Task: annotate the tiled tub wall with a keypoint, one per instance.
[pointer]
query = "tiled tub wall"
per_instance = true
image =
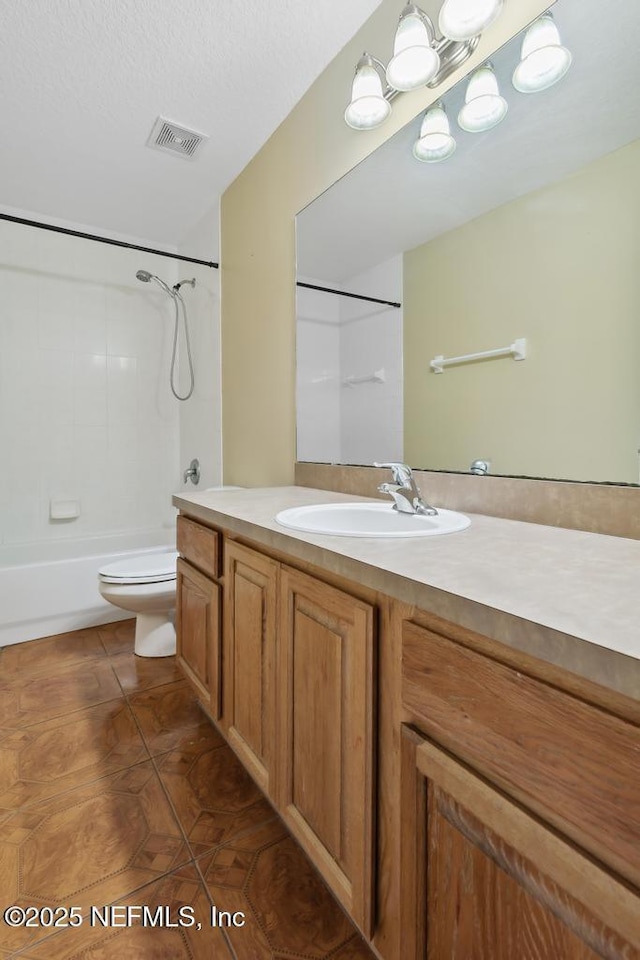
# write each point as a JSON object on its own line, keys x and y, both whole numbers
{"x": 85, "y": 407}
{"x": 338, "y": 338}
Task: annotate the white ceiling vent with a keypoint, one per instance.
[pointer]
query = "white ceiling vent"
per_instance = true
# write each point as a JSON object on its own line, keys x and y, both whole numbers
{"x": 172, "y": 138}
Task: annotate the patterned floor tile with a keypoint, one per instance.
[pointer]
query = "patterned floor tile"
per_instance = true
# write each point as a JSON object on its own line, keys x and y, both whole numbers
{"x": 42, "y": 760}
{"x": 92, "y": 845}
{"x": 214, "y": 797}
{"x": 165, "y": 900}
{"x": 118, "y": 637}
{"x": 115, "y": 839}
{"x": 49, "y": 655}
{"x": 24, "y": 701}
{"x": 169, "y": 717}
{"x": 143, "y": 673}
{"x": 289, "y": 911}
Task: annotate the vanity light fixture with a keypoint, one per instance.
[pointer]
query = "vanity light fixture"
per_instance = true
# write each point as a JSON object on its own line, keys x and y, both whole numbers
{"x": 435, "y": 142}
{"x": 484, "y": 108}
{"x": 419, "y": 59}
{"x": 368, "y": 107}
{"x": 543, "y": 59}
{"x": 463, "y": 19}
{"x": 415, "y": 60}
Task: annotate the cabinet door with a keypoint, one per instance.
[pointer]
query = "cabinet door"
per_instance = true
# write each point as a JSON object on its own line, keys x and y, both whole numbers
{"x": 485, "y": 880}
{"x": 326, "y": 731}
{"x": 198, "y": 633}
{"x": 249, "y": 659}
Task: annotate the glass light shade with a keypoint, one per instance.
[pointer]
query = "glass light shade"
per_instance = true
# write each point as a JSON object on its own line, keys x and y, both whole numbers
{"x": 484, "y": 108}
{"x": 543, "y": 60}
{"x": 464, "y": 19}
{"x": 414, "y": 61}
{"x": 368, "y": 107}
{"x": 435, "y": 142}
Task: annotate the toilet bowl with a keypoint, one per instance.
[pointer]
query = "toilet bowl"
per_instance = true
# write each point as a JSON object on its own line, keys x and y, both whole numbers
{"x": 146, "y": 586}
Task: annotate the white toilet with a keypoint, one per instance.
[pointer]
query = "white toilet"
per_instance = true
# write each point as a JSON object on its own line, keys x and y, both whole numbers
{"x": 145, "y": 585}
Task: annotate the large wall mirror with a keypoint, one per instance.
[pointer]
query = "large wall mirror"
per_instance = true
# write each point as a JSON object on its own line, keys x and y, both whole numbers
{"x": 528, "y": 232}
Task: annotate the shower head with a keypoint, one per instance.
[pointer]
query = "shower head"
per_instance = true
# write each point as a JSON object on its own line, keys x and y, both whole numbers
{"x": 145, "y": 276}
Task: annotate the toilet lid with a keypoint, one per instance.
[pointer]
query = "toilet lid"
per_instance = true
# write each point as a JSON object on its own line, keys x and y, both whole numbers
{"x": 144, "y": 568}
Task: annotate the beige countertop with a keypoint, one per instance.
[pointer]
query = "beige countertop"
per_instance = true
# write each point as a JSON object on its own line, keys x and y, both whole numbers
{"x": 565, "y": 596}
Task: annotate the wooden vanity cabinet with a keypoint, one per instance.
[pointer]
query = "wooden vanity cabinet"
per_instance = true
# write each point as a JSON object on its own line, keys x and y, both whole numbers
{"x": 198, "y": 609}
{"x": 249, "y": 657}
{"x": 297, "y": 679}
{"x": 483, "y": 879}
{"x": 520, "y": 814}
{"x": 462, "y": 800}
{"x": 326, "y": 670}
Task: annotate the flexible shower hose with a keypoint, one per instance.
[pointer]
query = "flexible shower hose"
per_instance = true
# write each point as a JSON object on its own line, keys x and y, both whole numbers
{"x": 176, "y": 297}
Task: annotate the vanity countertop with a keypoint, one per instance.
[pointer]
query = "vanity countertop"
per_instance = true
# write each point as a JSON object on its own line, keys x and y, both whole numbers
{"x": 568, "y": 597}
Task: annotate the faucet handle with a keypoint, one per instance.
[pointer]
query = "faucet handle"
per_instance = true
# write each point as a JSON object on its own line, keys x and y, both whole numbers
{"x": 401, "y": 472}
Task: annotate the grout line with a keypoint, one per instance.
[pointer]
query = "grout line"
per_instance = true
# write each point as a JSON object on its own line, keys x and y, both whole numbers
{"x": 25, "y": 807}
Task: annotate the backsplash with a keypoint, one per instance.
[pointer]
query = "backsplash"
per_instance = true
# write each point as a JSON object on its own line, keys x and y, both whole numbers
{"x": 594, "y": 507}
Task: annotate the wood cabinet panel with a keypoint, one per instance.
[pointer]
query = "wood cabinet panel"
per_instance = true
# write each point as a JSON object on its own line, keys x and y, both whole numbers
{"x": 200, "y": 545}
{"x": 316, "y": 777}
{"x": 250, "y": 597}
{"x": 574, "y": 764}
{"x": 484, "y": 880}
{"x": 326, "y": 662}
{"x": 198, "y": 633}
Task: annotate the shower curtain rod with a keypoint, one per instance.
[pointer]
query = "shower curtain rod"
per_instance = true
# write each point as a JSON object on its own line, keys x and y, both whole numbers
{"x": 115, "y": 243}
{"x": 343, "y": 293}
{"x": 175, "y": 256}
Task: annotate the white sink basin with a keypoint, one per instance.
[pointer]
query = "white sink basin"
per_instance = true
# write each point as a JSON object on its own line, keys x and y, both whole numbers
{"x": 369, "y": 520}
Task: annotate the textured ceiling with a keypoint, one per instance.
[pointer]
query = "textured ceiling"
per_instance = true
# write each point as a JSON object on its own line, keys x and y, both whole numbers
{"x": 83, "y": 81}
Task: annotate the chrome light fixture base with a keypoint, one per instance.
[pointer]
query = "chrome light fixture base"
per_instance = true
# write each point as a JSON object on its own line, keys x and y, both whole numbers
{"x": 415, "y": 43}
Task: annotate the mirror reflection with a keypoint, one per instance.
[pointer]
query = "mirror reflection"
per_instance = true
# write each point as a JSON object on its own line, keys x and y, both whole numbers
{"x": 525, "y": 236}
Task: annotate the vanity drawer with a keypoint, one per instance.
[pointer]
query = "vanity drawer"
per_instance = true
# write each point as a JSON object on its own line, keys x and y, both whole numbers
{"x": 201, "y": 546}
{"x": 573, "y": 764}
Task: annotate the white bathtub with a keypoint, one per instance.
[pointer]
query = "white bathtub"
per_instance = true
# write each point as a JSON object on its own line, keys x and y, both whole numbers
{"x": 48, "y": 588}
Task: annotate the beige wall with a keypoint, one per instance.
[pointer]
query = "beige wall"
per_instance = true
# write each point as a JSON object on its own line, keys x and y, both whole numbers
{"x": 308, "y": 152}
{"x": 559, "y": 267}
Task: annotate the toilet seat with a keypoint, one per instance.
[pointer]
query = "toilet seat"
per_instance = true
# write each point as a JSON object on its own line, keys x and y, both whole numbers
{"x": 144, "y": 568}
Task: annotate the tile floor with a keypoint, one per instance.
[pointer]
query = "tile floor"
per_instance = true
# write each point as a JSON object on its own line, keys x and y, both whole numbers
{"x": 115, "y": 790}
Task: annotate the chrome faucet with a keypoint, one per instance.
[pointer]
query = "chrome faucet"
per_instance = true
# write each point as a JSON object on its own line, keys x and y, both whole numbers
{"x": 406, "y": 495}
{"x": 192, "y": 472}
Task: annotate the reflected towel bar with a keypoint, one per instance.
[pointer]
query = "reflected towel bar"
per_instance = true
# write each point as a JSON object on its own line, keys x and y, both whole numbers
{"x": 517, "y": 350}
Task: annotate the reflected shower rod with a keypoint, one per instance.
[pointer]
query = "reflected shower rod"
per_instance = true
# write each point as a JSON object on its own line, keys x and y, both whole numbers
{"x": 114, "y": 243}
{"x": 343, "y": 293}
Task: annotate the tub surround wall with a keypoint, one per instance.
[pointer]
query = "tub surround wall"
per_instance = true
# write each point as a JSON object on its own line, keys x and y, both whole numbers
{"x": 337, "y": 338}
{"x": 85, "y": 408}
{"x": 596, "y": 508}
{"x": 318, "y": 374}
{"x": 370, "y": 340}
{"x": 200, "y": 416}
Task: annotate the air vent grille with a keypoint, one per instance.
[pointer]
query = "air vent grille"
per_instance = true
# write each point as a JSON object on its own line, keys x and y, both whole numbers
{"x": 172, "y": 138}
